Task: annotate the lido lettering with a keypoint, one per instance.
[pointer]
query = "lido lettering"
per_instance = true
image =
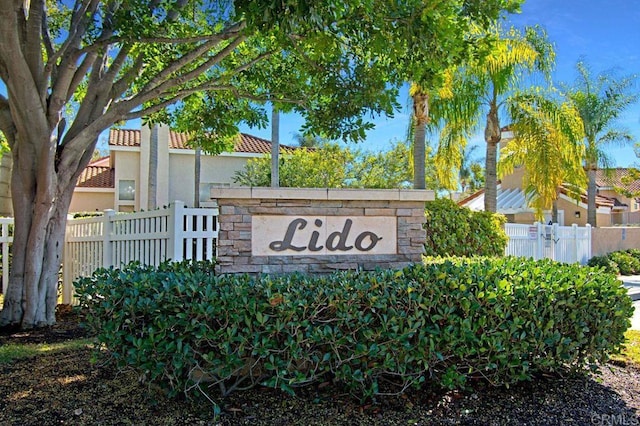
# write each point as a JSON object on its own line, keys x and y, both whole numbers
{"x": 336, "y": 241}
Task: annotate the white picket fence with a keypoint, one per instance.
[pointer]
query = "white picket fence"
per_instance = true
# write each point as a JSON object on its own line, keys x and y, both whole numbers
{"x": 568, "y": 244}
{"x": 176, "y": 233}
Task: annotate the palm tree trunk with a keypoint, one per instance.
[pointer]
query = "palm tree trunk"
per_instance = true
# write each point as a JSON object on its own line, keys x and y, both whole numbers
{"x": 492, "y": 137}
{"x": 420, "y": 120}
{"x": 275, "y": 147}
{"x": 591, "y": 196}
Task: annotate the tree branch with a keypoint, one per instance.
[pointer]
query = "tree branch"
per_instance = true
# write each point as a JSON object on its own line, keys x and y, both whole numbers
{"x": 46, "y": 37}
{"x": 6, "y": 122}
{"x": 121, "y": 86}
{"x": 118, "y": 63}
{"x": 157, "y": 88}
{"x": 80, "y": 75}
{"x": 226, "y": 34}
{"x": 181, "y": 94}
{"x": 28, "y": 114}
{"x": 313, "y": 64}
{"x": 193, "y": 56}
{"x": 84, "y": 10}
{"x": 32, "y": 49}
{"x": 251, "y": 63}
{"x": 4, "y": 74}
{"x": 90, "y": 102}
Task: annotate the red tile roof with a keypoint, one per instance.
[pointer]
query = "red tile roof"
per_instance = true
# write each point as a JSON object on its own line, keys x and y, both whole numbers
{"x": 97, "y": 174}
{"x": 613, "y": 178}
{"x": 248, "y": 143}
{"x": 124, "y": 137}
{"x": 601, "y": 201}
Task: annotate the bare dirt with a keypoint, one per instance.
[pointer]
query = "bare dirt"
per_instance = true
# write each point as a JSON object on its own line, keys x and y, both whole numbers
{"x": 66, "y": 387}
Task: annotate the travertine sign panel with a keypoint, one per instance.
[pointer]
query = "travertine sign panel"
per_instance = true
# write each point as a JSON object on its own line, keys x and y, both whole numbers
{"x": 323, "y": 235}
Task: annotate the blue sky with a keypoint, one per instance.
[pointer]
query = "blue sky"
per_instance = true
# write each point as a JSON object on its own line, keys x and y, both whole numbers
{"x": 606, "y": 33}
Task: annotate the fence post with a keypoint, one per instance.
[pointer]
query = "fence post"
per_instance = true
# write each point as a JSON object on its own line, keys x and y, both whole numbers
{"x": 540, "y": 241}
{"x": 175, "y": 221}
{"x": 589, "y": 248}
{"x": 67, "y": 280}
{"x": 107, "y": 230}
{"x": 554, "y": 240}
{"x": 574, "y": 228}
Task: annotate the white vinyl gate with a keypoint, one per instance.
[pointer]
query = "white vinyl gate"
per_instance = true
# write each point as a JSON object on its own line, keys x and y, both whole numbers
{"x": 568, "y": 244}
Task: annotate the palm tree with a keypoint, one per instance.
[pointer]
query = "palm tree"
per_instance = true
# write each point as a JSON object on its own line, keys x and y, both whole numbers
{"x": 547, "y": 142}
{"x": 465, "y": 173}
{"x": 482, "y": 88}
{"x": 600, "y": 102}
{"x": 275, "y": 147}
{"x": 420, "y": 118}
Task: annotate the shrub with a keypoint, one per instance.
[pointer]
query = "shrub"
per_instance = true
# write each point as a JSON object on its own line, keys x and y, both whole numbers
{"x": 604, "y": 262}
{"x": 497, "y": 319}
{"x": 627, "y": 264}
{"x": 457, "y": 231}
{"x": 635, "y": 253}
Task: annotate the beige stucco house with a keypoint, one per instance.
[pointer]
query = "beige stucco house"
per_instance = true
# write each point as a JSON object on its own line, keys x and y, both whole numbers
{"x": 613, "y": 208}
{"x": 121, "y": 180}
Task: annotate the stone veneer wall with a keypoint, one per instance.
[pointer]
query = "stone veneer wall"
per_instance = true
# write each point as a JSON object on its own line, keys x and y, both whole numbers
{"x": 238, "y": 205}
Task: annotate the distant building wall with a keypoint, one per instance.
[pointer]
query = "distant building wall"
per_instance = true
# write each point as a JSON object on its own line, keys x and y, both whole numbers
{"x": 214, "y": 171}
{"x": 91, "y": 200}
{"x": 6, "y": 163}
{"x": 606, "y": 240}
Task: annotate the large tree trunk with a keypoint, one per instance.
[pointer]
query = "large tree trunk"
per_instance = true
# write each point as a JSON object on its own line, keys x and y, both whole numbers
{"x": 420, "y": 120}
{"x": 275, "y": 147}
{"x": 591, "y": 196}
{"x": 41, "y": 196}
{"x": 492, "y": 137}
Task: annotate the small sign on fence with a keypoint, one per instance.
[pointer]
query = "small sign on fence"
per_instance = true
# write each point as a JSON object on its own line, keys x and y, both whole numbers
{"x": 533, "y": 232}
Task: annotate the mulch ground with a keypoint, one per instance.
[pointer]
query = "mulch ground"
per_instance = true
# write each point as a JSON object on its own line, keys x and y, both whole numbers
{"x": 68, "y": 388}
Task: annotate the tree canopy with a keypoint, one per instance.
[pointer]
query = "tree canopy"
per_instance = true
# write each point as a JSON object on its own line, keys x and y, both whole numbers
{"x": 474, "y": 93}
{"x": 71, "y": 69}
{"x": 332, "y": 166}
{"x": 600, "y": 101}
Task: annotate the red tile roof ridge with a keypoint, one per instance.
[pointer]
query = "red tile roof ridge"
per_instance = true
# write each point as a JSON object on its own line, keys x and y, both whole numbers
{"x": 178, "y": 140}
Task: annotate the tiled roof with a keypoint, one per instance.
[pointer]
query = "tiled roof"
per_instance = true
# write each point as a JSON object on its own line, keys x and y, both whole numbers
{"x": 613, "y": 178}
{"x": 124, "y": 137}
{"x": 97, "y": 175}
{"x": 601, "y": 201}
{"x": 248, "y": 143}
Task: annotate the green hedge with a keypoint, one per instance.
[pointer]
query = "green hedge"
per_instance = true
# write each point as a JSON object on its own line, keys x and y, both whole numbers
{"x": 457, "y": 231}
{"x": 501, "y": 320}
{"x": 625, "y": 262}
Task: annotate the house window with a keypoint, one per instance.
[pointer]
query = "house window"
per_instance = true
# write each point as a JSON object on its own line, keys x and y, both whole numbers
{"x": 126, "y": 190}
